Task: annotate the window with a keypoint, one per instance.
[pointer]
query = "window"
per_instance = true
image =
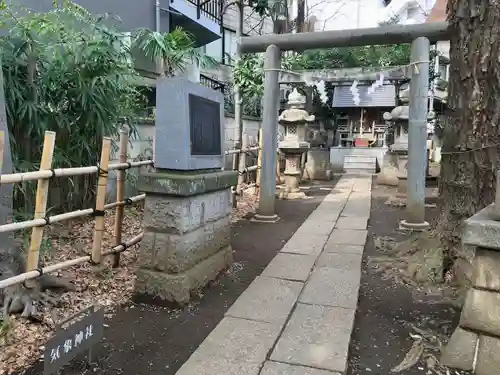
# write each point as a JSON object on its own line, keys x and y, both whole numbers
{"x": 229, "y": 46}
{"x": 224, "y": 49}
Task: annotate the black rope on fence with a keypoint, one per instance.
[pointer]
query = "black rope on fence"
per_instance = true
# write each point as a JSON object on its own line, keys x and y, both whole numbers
{"x": 96, "y": 213}
{"x": 101, "y": 172}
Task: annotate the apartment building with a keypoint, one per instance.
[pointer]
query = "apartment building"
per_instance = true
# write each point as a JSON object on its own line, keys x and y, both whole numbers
{"x": 223, "y": 50}
{"x": 203, "y": 19}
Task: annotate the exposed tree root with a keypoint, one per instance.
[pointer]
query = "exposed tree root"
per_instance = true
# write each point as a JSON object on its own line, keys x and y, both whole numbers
{"x": 22, "y": 299}
{"x": 418, "y": 261}
{"x": 419, "y": 258}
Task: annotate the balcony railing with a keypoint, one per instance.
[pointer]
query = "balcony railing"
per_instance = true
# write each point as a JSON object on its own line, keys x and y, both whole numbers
{"x": 212, "y": 83}
{"x": 212, "y": 9}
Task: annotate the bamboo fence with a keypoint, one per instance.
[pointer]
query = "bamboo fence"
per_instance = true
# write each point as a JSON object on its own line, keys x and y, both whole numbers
{"x": 46, "y": 172}
{"x": 40, "y": 220}
{"x": 239, "y": 163}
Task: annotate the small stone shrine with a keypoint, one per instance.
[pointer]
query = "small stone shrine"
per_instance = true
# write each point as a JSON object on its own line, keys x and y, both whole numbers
{"x": 188, "y": 204}
{"x": 475, "y": 344}
{"x": 294, "y": 120}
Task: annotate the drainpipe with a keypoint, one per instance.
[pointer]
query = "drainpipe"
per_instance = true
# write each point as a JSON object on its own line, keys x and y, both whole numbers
{"x": 238, "y": 105}
{"x": 159, "y": 64}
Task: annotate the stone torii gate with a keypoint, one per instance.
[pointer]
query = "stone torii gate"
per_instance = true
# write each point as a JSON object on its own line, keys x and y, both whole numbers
{"x": 420, "y": 37}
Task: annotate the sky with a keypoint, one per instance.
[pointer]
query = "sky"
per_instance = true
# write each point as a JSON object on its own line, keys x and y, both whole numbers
{"x": 349, "y": 14}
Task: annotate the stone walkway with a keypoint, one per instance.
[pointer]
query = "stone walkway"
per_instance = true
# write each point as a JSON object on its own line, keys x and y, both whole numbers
{"x": 297, "y": 317}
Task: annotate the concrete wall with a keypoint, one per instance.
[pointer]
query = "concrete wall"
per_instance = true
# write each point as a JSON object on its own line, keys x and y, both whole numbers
{"x": 141, "y": 146}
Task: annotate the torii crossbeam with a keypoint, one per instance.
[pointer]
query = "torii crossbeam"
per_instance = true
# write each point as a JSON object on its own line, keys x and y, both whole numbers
{"x": 420, "y": 36}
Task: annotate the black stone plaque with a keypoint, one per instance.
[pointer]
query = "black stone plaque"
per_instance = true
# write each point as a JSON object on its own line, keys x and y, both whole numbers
{"x": 205, "y": 126}
{"x": 85, "y": 331}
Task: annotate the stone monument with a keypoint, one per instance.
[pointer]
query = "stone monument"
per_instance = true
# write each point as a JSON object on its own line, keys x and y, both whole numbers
{"x": 294, "y": 119}
{"x": 475, "y": 344}
{"x": 188, "y": 204}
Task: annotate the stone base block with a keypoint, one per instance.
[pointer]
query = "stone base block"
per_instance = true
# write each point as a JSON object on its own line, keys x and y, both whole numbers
{"x": 481, "y": 312}
{"x": 173, "y": 252}
{"x": 318, "y": 165}
{"x": 293, "y": 195}
{"x": 460, "y": 350}
{"x": 417, "y": 227}
{"x": 265, "y": 218}
{"x": 486, "y": 273}
{"x": 402, "y": 185}
{"x": 178, "y": 288}
{"x": 488, "y": 359}
{"x": 388, "y": 176}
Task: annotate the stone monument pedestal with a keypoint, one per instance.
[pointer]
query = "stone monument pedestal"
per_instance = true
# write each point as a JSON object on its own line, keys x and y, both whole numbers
{"x": 475, "y": 344}
{"x": 187, "y": 238}
{"x": 318, "y": 165}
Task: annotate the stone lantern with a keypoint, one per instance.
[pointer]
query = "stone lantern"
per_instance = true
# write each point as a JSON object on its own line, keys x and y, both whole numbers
{"x": 294, "y": 120}
{"x": 399, "y": 118}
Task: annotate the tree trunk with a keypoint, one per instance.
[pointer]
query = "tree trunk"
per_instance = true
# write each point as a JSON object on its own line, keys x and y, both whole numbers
{"x": 301, "y": 16}
{"x": 472, "y": 129}
{"x": 6, "y": 190}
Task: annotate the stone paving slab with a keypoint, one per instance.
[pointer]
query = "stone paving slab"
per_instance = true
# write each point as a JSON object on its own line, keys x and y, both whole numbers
{"x": 356, "y": 211}
{"x": 341, "y": 196}
{"x": 290, "y": 266}
{"x": 350, "y": 222}
{"x": 239, "y": 341}
{"x": 332, "y": 287}
{"x": 348, "y": 237}
{"x": 316, "y": 336}
{"x": 306, "y": 244}
{"x": 315, "y": 302}
{"x": 315, "y": 227}
{"x": 203, "y": 365}
{"x": 325, "y": 214}
{"x": 276, "y": 368}
{"x": 332, "y": 247}
{"x": 350, "y": 262}
{"x": 267, "y": 300}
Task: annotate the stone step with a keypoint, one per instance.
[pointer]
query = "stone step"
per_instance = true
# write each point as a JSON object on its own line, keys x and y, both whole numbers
{"x": 359, "y": 171}
{"x": 369, "y": 164}
{"x": 360, "y": 165}
{"x": 360, "y": 158}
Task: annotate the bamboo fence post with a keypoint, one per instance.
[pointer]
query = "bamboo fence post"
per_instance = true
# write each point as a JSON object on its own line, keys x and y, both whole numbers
{"x": 42, "y": 192}
{"x": 235, "y": 168}
{"x": 259, "y": 163}
{"x": 100, "y": 200}
{"x": 2, "y": 139}
{"x": 120, "y": 192}
{"x": 242, "y": 163}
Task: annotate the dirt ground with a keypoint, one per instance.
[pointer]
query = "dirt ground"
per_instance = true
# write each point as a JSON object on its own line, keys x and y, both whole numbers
{"x": 388, "y": 311}
{"x": 143, "y": 339}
